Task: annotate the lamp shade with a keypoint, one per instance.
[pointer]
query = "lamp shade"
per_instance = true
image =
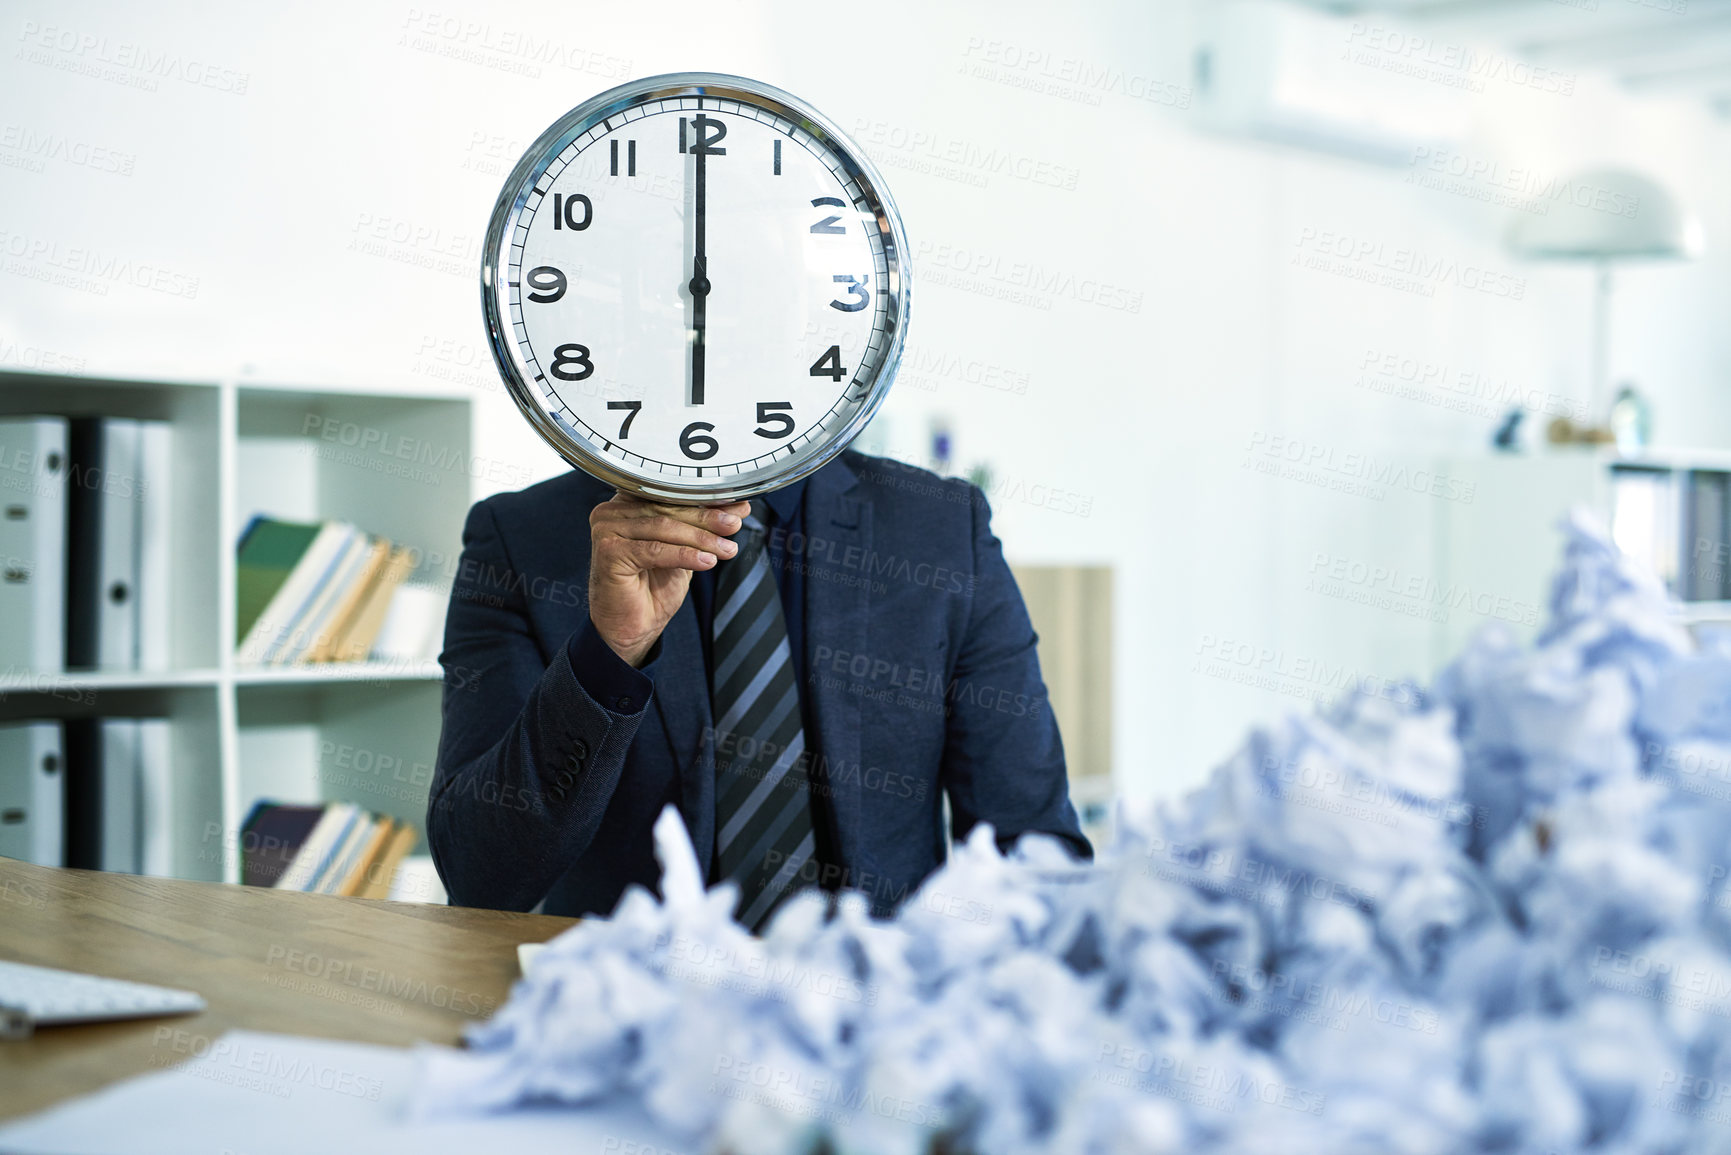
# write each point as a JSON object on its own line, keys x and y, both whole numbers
{"x": 1607, "y": 215}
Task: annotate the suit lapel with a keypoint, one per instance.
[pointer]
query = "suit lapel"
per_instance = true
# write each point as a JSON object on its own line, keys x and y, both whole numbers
{"x": 837, "y": 608}
{"x": 682, "y": 700}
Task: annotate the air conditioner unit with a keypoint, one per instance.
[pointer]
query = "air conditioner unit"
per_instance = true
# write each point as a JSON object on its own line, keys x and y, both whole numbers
{"x": 1351, "y": 87}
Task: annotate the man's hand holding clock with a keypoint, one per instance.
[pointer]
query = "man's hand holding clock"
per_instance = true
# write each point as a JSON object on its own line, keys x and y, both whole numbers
{"x": 641, "y": 559}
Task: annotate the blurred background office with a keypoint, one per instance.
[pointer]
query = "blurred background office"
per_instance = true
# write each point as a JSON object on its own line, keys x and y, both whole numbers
{"x": 1279, "y": 333}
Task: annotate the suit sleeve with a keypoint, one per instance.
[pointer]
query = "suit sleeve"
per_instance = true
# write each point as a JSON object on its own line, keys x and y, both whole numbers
{"x": 531, "y": 750}
{"x": 1003, "y": 758}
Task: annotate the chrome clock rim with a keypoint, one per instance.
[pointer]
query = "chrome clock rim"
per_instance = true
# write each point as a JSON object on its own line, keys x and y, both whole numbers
{"x": 515, "y": 193}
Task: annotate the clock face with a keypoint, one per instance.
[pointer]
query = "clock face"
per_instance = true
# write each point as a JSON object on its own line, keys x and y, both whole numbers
{"x": 695, "y": 288}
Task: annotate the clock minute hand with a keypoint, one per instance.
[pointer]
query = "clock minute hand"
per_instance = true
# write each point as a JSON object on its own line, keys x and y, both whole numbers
{"x": 699, "y": 285}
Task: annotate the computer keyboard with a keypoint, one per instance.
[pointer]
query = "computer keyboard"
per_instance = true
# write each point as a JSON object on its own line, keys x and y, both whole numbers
{"x": 33, "y": 996}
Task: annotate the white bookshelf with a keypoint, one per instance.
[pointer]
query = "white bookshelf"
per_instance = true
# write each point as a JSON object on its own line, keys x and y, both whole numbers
{"x": 391, "y": 461}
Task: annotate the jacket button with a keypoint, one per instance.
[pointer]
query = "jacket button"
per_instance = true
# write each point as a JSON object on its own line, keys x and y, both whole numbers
{"x": 565, "y": 780}
{"x": 558, "y": 794}
{"x": 572, "y": 763}
{"x": 579, "y": 749}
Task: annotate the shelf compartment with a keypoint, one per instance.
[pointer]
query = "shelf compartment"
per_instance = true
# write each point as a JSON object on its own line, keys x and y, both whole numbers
{"x": 193, "y": 412}
{"x": 399, "y": 467}
{"x": 372, "y": 745}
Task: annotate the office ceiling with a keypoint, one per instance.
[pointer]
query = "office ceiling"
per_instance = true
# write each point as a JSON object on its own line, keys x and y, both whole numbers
{"x": 1671, "y": 47}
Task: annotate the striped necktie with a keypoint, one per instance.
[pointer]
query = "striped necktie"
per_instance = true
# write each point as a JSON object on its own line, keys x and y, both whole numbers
{"x": 763, "y": 820}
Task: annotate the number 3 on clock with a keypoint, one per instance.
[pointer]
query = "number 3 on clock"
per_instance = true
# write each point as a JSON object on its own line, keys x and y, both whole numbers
{"x": 856, "y": 288}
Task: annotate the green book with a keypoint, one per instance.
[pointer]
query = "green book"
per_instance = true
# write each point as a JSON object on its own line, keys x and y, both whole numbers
{"x": 269, "y": 552}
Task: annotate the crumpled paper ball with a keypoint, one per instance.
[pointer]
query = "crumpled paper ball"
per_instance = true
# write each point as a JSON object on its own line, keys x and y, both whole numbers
{"x": 1490, "y": 914}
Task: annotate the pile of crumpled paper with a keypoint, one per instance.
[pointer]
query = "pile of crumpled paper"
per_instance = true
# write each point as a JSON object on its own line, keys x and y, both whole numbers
{"x": 1488, "y": 915}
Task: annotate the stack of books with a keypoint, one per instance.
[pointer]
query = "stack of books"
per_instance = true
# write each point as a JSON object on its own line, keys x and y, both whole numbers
{"x": 335, "y": 848}
{"x": 325, "y": 592}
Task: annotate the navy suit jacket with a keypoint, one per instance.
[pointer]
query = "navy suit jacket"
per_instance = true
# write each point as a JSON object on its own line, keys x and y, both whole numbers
{"x": 921, "y": 679}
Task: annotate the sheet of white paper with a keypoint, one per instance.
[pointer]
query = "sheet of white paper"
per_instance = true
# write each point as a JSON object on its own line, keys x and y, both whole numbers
{"x": 262, "y": 1094}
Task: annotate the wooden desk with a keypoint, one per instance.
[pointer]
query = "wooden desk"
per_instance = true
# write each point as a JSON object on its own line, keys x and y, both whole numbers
{"x": 268, "y": 960}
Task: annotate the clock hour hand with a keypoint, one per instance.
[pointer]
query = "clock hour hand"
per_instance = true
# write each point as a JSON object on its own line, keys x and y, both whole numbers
{"x": 699, "y": 287}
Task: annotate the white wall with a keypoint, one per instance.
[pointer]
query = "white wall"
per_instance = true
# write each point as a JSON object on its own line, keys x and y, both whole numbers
{"x": 331, "y": 214}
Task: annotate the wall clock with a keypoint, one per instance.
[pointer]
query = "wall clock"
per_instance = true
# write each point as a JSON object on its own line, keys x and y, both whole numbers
{"x": 696, "y": 288}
